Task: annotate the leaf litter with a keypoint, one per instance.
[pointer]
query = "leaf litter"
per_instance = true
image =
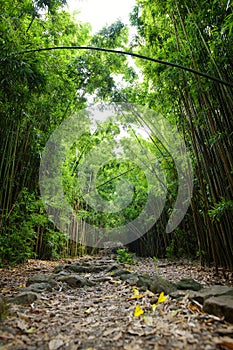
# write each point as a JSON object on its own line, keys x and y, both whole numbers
{"x": 110, "y": 314}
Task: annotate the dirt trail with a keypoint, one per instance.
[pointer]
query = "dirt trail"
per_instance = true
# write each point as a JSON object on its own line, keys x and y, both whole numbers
{"x": 102, "y": 315}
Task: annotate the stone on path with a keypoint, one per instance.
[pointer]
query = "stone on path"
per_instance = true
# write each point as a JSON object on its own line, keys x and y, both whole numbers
{"x": 38, "y": 287}
{"x": 25, "y": 298}
{"x": 159, "y": 285}
{"x": 188, "y": 283}
{"x": 216, "y": 300}
{"x": 211, "y": 291}
{"x": 220, "y": 306}
{"x": 41, "y": 279}
{"x": 75, "y": 281}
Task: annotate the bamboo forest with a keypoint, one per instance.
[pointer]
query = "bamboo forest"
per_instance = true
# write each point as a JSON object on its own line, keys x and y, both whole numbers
{"x": 40, "y": 89}
{"x": 116, "y": 175}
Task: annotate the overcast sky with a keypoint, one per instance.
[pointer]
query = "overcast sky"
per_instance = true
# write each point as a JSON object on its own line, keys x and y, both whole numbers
{"x": 102, "y": 12}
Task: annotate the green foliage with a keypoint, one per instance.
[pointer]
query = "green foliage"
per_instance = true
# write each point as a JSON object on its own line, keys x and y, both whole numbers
{"x": 220, "y": 209}
{"x": 29, "y": 233}
{"x": 155, "y": 259}
{"x": 125, "y": 257}
{"x": 197, "y": 35}
{"x": 201, "y": 253}
{"x": 37, "y": 92}
{"x": 40, "y": 90}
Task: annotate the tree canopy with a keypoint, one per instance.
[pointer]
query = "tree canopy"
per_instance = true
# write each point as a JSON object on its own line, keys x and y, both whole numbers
{"x": 186, "y": 78}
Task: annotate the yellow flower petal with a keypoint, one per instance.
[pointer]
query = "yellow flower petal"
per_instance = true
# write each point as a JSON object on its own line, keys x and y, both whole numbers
{"x": 154, "y": 306}
{"x": 162, "y": 298}
{"x": 138, "y": 311}
{"x": 135, "y": 291}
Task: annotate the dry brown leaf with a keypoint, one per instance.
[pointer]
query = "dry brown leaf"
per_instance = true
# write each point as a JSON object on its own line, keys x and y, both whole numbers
{"x": 117, "y": 336}
{"x": 55, "y": 343}
{"x": 139, "y": 296}
{"x": 110, "y": 331}
{"x": 225, "y": 331}
{"x": 224, "y": 341}
{"x": 22, "y": 325}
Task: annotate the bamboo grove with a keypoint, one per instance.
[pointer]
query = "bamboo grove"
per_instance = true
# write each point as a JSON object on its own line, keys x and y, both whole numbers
{"x": 200, "y": 34}
{"x": 39, "y": 90}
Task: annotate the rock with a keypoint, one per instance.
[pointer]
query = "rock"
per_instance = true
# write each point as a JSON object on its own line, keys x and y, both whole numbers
{"x": 132, "y": 279}
{"x": 58, "y": 269}
{"x": 129, "y": 276}
{"x": 41, "y": 279}
{"x": 216, "y": 300}
{"x": 188, "y": 283}
{"x": 85, "y": 269}
{"x": 158, "y": 285}
{"x": 105, "y": 261}
{"x": 3, "y": 308}
{"x": 102, "y": 279}
{"x": 211, "y": 291}
{"x": 75, "y": 281}
{"x": 220, "y": 306}
{"x": 38, "y": 287}
{"x": 179, "y": 294}
{"x": 25, "y": 298}
{"x": 120, "y": 272}
{"x": 60, "y": 273}
{"x": 144, "y": 282}
{"x": 112, "y": 267}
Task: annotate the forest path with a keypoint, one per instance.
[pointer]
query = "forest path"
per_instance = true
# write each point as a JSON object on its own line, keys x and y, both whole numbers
{"x": 97, "y": 310}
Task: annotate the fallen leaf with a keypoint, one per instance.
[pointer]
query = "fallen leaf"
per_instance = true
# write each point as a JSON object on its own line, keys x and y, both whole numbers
{"x": 117, "y": 336}
{"x": 149, "y": 320}
{"x": 90, "y": 310}
{"x": 138, "y": 311}
{"x": 154, "y": 306}
{"x": 30, "y": 330}
{"x": 225, "y": 331}
{"x": 22, "y": 325}
{"x": 109, "y": 331}
{"x": 225, "y": 341}
{"x": 162, "y": 298}
{"x": 55, "y": 344}
{"x": 136, "y": 297}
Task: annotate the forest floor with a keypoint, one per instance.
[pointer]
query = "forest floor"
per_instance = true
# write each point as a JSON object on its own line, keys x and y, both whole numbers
{"x": 102, "y": 316}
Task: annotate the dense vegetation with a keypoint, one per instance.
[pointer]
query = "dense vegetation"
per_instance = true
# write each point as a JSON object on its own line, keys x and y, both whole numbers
{"x": 39, "y": 90}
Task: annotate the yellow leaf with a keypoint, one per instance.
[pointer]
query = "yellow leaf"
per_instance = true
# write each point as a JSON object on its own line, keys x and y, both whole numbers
{"x": 154, "y": 306}
{"x": 162, "y": 298}
{"x": 30, "y": 330}
{"x": 135, "y": 291}
{"x": 138, "y": 311}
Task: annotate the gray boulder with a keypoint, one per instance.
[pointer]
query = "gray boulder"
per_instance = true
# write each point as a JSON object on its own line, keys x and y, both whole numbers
{"x": 220, "y": 306}
{"x": 75, "y": 281}
{"x": 216, "y": 300}
{"x": 188, "y": 283}
{"x": 159, "y": 285}
{"x": 38, "y": 287}
{"x": 41, "y": 279}
{"x": 25, "y": 298}
{"x": 211, "y": 291}
{"x": 118, "y": 273}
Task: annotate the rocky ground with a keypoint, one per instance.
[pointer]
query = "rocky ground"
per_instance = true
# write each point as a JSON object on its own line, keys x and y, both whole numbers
{"x": 97, "y": 303}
